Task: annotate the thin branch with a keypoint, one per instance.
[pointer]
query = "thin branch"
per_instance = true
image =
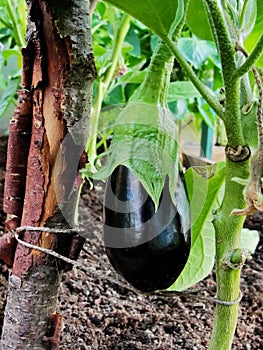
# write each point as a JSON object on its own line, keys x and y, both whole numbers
{"x": 5, "y": 23}
{"x": 17, "y": 33}
{"x": 103, "y": 86}
{"x": 251, "y": 59}
{"x": 116, "y": 52}
{"x": 204, "y": 91}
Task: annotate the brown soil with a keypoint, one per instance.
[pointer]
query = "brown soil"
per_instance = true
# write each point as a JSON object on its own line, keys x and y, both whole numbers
{"x": 102, "y": 315}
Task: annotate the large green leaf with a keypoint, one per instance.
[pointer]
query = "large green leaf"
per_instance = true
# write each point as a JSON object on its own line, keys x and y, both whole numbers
{"x": 161, "y": 17}
{"x": 197, "y": 51}
{"x": 134, "y": 77}
{"x": 133, "y": 39}
{"x": 254, "y": 36}
{"x": 197, "y": 20}
{"x": 182, "y": 90}
{"x": 249, "y": 18}
{"x": 203, "y": 195}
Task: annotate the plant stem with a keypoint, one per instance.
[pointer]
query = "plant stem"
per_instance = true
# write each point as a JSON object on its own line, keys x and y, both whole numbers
{"x": 118, "y": 42}
{"x": 5, "y": 23}
{"x": 17, "y": 34}
{"x": 250, "y": 61}
{"x": 227, "y": 229}
{"x": 243, "y": 14}
{"x": 103, "y": 86}
{"x": 93, "y": 128}
{"x": 156, "y": 83}
{"x": 204, "y": 91}
{"x": 226, "y": 49}
{"x": 227, "y": 238}
{"x": 154, "y": 87}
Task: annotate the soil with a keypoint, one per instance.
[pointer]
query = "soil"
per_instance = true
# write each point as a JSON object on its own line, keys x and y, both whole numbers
{"x": 100, "y": 314}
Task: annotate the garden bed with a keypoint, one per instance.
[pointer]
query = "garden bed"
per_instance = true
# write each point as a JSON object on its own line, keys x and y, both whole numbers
{"x": 102, "y": 315}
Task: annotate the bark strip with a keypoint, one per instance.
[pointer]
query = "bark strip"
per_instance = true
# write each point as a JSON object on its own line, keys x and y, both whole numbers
{"x": 18, "y": 145}
{"x": 60, "y": 92}
{"x": 7, "y": 248}
{"x": 17, "y": 153}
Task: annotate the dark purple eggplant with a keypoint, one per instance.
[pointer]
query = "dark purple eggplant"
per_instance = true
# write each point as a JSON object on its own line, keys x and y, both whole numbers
{"x": 148, "y": 248}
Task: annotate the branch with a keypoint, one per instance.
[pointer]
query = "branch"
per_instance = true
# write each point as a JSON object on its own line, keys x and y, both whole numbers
{"x": 116, "y": 51}
{"x": 222, "y": 38}
{"x": 103, "y": 86}
{"x": 16, "y": 30}
{"x": 250, "y": 61}
{"x": 204, "y": 91}
{"x": 226, "y": 48}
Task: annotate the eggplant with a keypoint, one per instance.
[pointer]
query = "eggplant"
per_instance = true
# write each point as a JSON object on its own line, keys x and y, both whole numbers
{"x": 148, "y": 248}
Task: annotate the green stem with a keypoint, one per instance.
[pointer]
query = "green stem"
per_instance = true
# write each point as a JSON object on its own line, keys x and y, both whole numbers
{"x": 222, "y": 36}
{"x": 251, "y": 60}
{"x": 17, "y": 33}
{"x": 5, "y": 23}
{"x": 161, "y": 66}
{"x": 204, "y": 91}
{"x": 227, "y": 239}
{"x": 226, "y": 49}
{"x": 103, "y": 86}
{"x": 227, "y": 228}
{"x": 116, "y": 51}
{"x": 232, "y": 117}
{"x": 154, "y": 88}
{"x": 243, "y": 14}
{"x": 93, "y": 127}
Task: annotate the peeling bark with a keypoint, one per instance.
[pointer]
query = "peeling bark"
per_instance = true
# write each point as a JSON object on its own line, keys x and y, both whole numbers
{"x": 16, "y": 163}
{"x": 18, "y": 147}
{"x": 55, "y": 103}
{"x": 7, "y": 248}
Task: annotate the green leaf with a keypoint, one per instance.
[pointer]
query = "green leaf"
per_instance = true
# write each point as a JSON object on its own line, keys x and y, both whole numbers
{"x": 8, "y": 95}
{"x": 254, "y": 36}
{"x": 116, "y": 96}
{"x": 206, "y": 113}
{"x": 196, "y": 51}
{"x": 13, "y": 52}
{"x": 197, "y": 21}
{"x": 162, "y": 17}
{"x": 99, "y": 50}
{"x": 249, "y": 240}
{"x": 134, "y": 77}
{"x": 182, "y": 90}
{"x": 203, "y": 196}
{"x": 133, "y": 39}
{"x": 145, "y": 140}
{"x": 248, "y": 18}
{"x": 249, "y": 125}
{"x": 178, "y": 108}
